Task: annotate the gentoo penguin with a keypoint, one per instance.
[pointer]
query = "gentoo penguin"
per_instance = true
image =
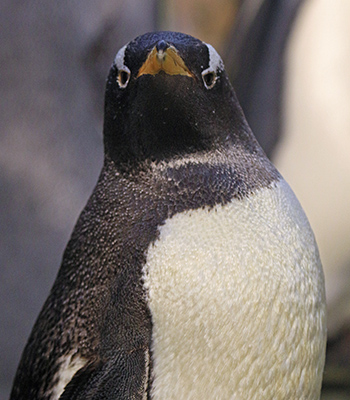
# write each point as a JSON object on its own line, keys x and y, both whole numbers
{"x": 192, "y": 272}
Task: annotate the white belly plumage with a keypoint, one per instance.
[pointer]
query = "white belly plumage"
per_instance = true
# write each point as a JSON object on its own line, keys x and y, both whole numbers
{"x": 236, "y": 294}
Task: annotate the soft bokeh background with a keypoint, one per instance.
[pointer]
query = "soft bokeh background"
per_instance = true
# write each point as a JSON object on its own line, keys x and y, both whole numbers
{"x": 54, "y": 58}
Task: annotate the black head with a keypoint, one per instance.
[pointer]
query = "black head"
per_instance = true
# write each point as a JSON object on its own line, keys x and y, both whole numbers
{"x": 168, "y": 95}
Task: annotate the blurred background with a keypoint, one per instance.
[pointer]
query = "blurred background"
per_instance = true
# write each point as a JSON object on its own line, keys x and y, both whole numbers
{"x": 289, "y": 61}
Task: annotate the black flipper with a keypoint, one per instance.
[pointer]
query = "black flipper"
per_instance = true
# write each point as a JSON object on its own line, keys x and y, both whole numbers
{"x": 123, "y": 377}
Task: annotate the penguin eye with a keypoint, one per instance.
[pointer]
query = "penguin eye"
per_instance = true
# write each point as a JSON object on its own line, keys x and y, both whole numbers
{"x": 123, "y": 77}
{"x": 209, "y": 78}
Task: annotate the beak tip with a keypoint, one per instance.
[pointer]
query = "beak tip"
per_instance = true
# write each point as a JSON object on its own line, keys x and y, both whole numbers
{"x": 161, "y": 46}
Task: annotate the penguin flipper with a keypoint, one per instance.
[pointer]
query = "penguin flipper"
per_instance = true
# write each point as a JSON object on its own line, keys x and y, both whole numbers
{"x": 123, "y": 377}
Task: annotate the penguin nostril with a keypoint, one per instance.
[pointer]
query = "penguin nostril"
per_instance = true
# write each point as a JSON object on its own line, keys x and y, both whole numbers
{"x": 162, "y": 45}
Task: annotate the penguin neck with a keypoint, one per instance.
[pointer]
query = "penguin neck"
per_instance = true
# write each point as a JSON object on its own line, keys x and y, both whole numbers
{"x": 221, "y": 174}
{"x": 154, "y": 137}
{"x": 148, "y": 144}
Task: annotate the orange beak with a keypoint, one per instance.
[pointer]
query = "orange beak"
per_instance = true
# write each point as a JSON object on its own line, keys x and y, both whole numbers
{"x": 167, "y": 60}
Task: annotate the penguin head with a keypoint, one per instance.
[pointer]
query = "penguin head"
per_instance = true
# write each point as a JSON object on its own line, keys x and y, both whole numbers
{"x": 168, "y": 95}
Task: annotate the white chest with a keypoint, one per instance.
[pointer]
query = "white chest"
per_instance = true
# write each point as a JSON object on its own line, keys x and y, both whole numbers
{"x": 237, "y": 301}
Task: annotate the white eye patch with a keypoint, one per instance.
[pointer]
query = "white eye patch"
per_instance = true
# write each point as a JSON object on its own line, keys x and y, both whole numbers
{"x": 119, "y": 58}
{"x": 216, "y": 64}
{"x": 123, "y": 71}
{"x": 215, "y": 61}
